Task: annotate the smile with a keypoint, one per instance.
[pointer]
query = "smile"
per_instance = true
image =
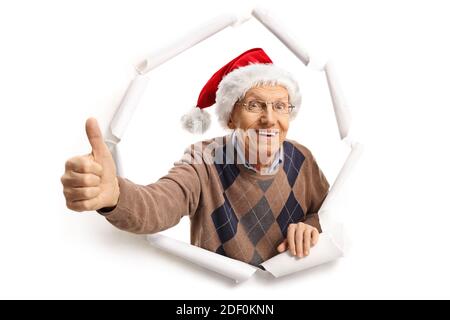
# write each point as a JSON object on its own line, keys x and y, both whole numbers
{"x": 267, "y": 133}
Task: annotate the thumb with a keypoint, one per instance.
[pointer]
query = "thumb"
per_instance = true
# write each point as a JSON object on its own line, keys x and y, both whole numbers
{"x": 94, "y": 134}
{"x": 282, "y": 246}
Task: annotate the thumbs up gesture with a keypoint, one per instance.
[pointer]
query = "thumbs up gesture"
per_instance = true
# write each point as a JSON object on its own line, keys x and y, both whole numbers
{"x": 90, "y": 181}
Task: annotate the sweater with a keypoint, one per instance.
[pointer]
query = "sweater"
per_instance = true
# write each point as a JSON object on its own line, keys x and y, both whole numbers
{"x": 233, "y": 210}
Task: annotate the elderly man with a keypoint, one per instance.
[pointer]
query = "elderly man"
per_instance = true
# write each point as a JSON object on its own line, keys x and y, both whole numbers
{"x": 249, "y": 195}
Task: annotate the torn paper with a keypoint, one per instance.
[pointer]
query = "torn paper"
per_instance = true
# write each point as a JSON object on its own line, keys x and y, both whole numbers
{"x": 325, "y": 251}
{"x": 230, "y": 268}
{"x": 282, "y": 264}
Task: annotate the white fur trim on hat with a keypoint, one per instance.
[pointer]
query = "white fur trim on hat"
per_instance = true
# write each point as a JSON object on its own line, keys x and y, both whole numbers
{"x": 196, "y": 120}
{"x": 235, "y": 85}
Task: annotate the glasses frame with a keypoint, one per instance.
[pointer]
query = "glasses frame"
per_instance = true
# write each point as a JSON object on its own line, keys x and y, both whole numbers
{"x": 266, "y": 103}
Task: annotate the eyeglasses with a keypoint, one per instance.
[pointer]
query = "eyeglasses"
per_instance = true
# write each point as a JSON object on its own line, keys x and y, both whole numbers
{"x": 257, "y": 106}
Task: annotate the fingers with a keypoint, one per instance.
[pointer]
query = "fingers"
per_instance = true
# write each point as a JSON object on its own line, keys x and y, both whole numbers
{"x": 94, "y": 134}
{"x": 315, "y": 237}
{"x": 73, "y": 179}
{"x": 84, "y": 164}
{"x": 77, "y": 194}
{"x": 83, "y": 205}
{"x": 90, "y": 181}
{"x": 300, "y": 239}
{"x": 282, "y": 247}
{"x": 291, "y": 238}
{"x": 307, "y": 241}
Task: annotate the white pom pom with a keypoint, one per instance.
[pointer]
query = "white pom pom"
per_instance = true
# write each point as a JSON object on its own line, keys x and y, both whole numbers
{"x": 196, "y": 120}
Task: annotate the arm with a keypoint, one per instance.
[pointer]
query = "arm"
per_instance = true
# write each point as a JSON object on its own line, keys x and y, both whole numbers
{"x": 160, "y": 205}
{"x": 90, "y": 183}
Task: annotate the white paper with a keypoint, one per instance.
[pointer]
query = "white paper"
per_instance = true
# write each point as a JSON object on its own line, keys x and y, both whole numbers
{"x": 341, "y": 111}
{"x": 282, "y": 264}
{"x": 233, "y": 269}
{"x": 127, "y": 106}
{"x": 344, "y": 174}
{"x": 117, "y": 160}
{"x": 325, "y": 251}
{"x": 187, "y": 41}
{"x": 273, "y": 26}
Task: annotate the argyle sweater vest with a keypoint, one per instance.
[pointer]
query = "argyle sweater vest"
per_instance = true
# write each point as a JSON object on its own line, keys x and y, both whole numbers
{"x": 234, "y": 211}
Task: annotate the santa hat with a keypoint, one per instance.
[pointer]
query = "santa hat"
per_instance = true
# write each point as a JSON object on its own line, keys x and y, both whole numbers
{"x": 232, "y": 81}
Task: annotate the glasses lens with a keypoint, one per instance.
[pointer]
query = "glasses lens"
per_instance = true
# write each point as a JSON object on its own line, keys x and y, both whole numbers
{"x": 281, "y": 107}
{"x": 255, "y": 106}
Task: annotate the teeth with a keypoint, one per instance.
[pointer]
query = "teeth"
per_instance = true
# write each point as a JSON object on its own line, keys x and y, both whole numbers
{"x": 269, "y": 134}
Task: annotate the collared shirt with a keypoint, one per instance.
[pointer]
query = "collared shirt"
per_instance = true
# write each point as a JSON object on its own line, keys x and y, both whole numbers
{"x": 277, "y": 159}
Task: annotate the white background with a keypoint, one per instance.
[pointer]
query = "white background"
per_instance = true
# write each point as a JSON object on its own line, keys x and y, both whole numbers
{"x": 61, "y": 62}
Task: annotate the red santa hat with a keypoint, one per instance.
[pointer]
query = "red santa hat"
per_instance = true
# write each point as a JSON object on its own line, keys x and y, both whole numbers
{"x": 231, "y": 82}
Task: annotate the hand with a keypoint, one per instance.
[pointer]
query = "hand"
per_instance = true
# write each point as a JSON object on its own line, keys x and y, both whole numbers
{"x": 300, "y": 238}
{"x": 90, "y": 181}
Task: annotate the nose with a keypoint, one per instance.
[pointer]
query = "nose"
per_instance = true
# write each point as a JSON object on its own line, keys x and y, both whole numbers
{"x": 268, "y": 116}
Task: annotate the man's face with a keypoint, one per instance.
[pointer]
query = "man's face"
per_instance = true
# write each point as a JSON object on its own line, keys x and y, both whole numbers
{"x": 262, "y": 132}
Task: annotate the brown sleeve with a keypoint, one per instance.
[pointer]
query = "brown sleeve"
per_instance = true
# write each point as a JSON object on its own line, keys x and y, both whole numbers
{"x": 160, "y": 205}
{"x": 317, "y": 189}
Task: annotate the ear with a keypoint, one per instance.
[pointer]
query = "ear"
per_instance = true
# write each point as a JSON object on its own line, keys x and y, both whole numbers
{"x": 231, "y": 124}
